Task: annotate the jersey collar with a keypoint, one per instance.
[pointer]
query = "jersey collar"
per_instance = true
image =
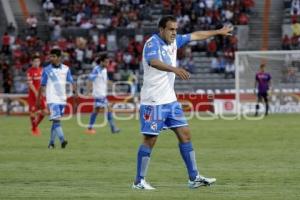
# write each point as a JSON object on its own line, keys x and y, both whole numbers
{"x": 161, "y": 41}
{"x": 56, "y": 66}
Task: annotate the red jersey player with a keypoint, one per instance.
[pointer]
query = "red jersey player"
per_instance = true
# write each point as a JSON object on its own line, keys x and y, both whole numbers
{"x": 34, "y": 74}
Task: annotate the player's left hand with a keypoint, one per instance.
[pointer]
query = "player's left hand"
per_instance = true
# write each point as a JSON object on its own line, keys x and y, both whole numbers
{"x": 226, "y": 30}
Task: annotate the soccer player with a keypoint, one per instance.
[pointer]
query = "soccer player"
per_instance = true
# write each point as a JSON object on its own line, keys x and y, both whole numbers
{"x": 34, "y": 74}
{"x": 262, "y": 84}
{"x": 159, "y": 107}
{"x": 54, "y": 79}
{"x": 99, "y": 79}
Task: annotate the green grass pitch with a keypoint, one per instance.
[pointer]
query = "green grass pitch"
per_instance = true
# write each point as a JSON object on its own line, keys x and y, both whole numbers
{"x": 250, "y": 159}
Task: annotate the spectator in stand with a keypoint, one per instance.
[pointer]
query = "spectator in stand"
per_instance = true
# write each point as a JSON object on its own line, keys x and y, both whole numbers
{"x": 229, "y": 53}
{"x": 187, "y": 62}
{"x": 102, "y": 46}
{"x": 247, "y": 5}
{"x": 7, "y": 78}
{"x": 56, "y": 33}
{"x": 229, "y": 69}
{"x": 5, "y": 43}
{"x": 11, "y": 29}
{"x": 296, "y": 28}
{"x": 295, "y": 7}
{"x": 212, "y": 48}
{"x": 222, "y": 64}
{"x": 32, "y": 24}
{"x": 286, "y": 42}
{"x": 294, "y": 42}
{"x": 48, "y": 6}
{"x": 127, "y": 59}
{"x": 215, "y": 65}
{"x": 243, "y": 19}
{"x": 111, "y": 69}
{"x": 233, "y": 42}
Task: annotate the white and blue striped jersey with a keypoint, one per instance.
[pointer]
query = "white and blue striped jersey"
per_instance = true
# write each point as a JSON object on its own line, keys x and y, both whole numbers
{"x": 158, "y": 86}
{"x": 99, "y": 78}
{"x": 55, "y": 80}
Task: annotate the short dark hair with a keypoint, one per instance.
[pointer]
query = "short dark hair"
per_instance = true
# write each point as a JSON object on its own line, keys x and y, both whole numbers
{"x": 164, "y": 20}
{"x": 101, "y": 58}
{"x": 56, "y": 52}
{"x": 35, "y": 56}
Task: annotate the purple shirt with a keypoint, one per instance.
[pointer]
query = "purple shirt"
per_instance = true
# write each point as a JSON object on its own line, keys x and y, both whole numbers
{"x": 263, "y": 80}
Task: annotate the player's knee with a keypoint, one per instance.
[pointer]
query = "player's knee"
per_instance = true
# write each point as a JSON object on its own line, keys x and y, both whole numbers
{"x": 97, "y": 109}
{"x": 149, "y": 140}
{"x": 185, "y": 134}
{"x": 109, "y": 109}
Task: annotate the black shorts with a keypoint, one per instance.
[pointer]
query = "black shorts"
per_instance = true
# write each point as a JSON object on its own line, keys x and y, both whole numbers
{"x": 263, "y": 96}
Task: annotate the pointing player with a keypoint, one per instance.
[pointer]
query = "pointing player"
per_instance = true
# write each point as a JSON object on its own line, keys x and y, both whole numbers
{"x": 159, "y": 106}
{"x": 54, "y": 79}
{"x": 34, "y": 74}
{"x": 99, "y": 80}
{"x": 263, "y": 84}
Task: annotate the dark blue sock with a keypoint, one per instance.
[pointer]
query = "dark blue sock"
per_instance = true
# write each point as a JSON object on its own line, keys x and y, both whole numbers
{"x": 188, "y": 155}
{"x": 92, "y": 119}
{"x": 111, "y": 120}
{"x": 143, "y": 160}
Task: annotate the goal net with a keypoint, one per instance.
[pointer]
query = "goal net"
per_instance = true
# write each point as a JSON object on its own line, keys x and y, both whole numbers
{"x": 284, "y": 68}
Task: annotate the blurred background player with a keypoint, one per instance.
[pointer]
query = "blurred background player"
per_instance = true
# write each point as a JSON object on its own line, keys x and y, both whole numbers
{"x": 262, "y": 84}
{"x": 159, "y": 106}
{"x": 55, "y": 77}
{"x": 99, "y": 80}
{"x": 34, "y": 74}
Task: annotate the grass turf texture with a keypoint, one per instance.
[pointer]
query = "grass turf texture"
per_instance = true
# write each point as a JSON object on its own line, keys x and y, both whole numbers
{"x": 250, "y": 159}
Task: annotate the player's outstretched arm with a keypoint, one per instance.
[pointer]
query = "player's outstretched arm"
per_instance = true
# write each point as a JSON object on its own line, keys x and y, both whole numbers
{"x": 157, "y": 64}
{"x": 202, "y": 35}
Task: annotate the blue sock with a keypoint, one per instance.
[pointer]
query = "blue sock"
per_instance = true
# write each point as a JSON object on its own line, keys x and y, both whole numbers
{"x": 52, "y": 135}
{"x": 188, "y": 155}
{"x": 58, "y": 130}
{"x": 111, "y": 120}
{"x": 143, "y": 160}
{"x": 92, "y": 119}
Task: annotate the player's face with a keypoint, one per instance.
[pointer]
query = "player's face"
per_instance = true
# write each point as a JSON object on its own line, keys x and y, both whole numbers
{"x": 36, "y": 62}
{"x": 169, "y": 32}
{"x": 54, "y": 59}
{"x": 105, "y": 63}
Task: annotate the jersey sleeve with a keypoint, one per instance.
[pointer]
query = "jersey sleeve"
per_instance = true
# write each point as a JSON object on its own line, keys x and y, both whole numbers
{"x": 69, "y": 76}
{"x": 44, "y": 78}
{"x": 182, "y": 40}
{"x": 93, "y": 74}
{"x": 151, "y": 51}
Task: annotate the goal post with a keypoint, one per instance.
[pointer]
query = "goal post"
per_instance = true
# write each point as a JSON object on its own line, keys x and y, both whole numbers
{"x": 284, "y": 67}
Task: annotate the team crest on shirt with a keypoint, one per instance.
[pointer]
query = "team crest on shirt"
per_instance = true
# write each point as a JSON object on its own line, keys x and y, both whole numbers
{"x": 153, "y": 126}
{"x": 149, "y": 45}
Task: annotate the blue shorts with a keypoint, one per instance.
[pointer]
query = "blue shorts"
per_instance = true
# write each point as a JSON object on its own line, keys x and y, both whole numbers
{"x": 154, "y": 118}
{"x": 101, "y": 102}
{"x": 56, "y": 110}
